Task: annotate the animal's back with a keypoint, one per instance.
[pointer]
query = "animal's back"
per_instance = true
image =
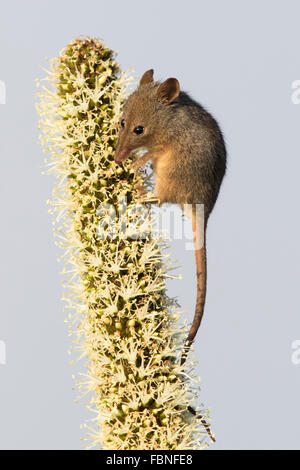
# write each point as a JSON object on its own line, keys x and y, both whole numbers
{"x": 199, "y": 150}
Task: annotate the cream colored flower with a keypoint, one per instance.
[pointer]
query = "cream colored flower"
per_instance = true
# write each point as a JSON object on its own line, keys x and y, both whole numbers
{"x": 120, "y": 316}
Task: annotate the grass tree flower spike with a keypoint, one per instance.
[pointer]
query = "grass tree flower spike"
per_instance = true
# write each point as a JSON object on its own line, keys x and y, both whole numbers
{"x": 120, "y": 316}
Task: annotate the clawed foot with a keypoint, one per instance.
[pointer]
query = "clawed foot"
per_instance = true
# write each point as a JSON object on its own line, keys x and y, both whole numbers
{"x": 137, "y": 164}
{"x": 141, "y": 191}
{"x": 134, "y": 166}
{"x": 141, "y": 161}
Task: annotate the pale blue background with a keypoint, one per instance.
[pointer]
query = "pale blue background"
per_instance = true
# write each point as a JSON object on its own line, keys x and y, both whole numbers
{"x": 239, "y": 59}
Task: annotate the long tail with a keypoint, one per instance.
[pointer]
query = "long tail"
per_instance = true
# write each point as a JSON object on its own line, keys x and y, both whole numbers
{"x": 200, "y": 257}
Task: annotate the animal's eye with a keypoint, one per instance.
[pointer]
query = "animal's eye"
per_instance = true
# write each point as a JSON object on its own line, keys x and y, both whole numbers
{"x": 123, "y": 123}
{"x": 138, "y": 130}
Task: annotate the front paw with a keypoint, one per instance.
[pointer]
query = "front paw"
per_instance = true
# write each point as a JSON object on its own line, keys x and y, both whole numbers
{"x": 141, "y": 191}
{"x": 135, "y": 165}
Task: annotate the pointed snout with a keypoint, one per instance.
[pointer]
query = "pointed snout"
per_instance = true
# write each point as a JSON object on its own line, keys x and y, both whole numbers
{"x": 121, "y": 154}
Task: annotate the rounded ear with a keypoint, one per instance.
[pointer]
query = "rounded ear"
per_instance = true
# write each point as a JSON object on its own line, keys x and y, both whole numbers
{"x": 147, "y": 77}
{"x": 168, "y": 90}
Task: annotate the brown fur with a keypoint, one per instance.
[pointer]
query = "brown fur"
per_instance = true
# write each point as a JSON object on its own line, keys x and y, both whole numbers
{"x": 188, "y": 153}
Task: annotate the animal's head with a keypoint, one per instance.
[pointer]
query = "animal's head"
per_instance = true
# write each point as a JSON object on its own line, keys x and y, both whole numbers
{"x": 140, "y": 119}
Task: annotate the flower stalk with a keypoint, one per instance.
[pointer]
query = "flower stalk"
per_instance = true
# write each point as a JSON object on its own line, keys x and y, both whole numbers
{"x": 121, "y": 318}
